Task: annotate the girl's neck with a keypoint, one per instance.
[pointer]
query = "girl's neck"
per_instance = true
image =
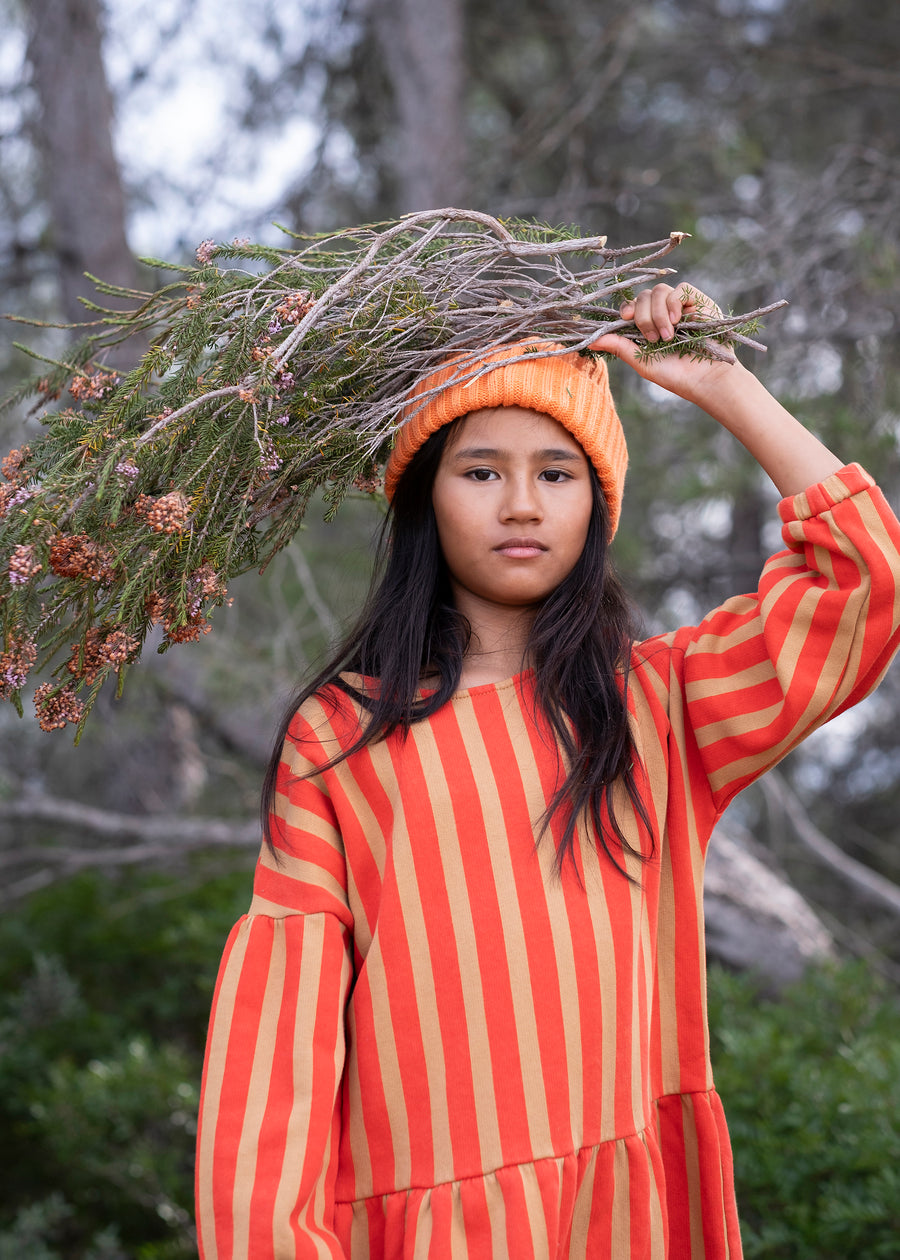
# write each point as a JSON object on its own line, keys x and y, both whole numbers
{"x": 498, "y": 644}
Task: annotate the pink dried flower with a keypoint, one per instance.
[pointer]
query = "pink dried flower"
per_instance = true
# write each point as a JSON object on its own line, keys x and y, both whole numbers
{"x": 206, "y": 583}
{"x": 94, "y": 386}
{"x": 284, "y": 380}
{"x": 295, "y": 306}
{"x": 269, "y": 459}
{"x": 15, "y": 665}
{"x": 282, "y": 419}
{"x": 205, "y": 252}
{"x": 22, "y": 564}
{"x": 127, "y": 471}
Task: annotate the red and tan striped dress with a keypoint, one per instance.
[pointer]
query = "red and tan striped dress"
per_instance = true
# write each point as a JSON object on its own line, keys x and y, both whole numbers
{"x": 425, "y": 1043}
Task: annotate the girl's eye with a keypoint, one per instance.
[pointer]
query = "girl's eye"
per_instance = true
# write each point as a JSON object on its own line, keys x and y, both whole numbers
{"x": 481, "y": 474}
{"x": 554, "y": 475}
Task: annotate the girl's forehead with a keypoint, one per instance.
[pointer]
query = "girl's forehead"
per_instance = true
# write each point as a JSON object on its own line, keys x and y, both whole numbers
{"x": 512, "y": 426}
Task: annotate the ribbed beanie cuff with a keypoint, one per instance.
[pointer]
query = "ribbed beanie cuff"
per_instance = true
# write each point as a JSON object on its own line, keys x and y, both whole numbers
{"x": 570, "y": 388}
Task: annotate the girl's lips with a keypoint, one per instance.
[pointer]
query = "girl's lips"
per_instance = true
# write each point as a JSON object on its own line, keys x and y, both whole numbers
{"x": 521, "y": 548}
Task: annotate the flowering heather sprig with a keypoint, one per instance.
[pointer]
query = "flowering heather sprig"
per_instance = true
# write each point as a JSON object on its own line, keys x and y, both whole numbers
{"x": 15, "y": 665}
{"x": 22, "y": 564}
{"x": 261, "y": 385}
{"x": 54, "y": 711}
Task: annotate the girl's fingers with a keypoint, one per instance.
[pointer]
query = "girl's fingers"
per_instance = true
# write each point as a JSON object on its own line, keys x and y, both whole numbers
{"x": 656, "y": 311}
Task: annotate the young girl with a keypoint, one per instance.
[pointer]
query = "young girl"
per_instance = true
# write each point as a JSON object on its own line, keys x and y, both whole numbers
{"x": 465, "y": 1016}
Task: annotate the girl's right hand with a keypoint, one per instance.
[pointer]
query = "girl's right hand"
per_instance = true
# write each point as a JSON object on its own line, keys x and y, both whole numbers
{"x": 655, "y": 313}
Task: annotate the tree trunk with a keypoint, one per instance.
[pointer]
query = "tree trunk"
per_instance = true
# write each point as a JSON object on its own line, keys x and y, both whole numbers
{"x": 83, "y": 184}
{"x": 422, "y": 46}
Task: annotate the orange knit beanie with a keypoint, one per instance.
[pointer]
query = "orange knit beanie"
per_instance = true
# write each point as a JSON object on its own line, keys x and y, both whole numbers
{"x": 570, "y": 388}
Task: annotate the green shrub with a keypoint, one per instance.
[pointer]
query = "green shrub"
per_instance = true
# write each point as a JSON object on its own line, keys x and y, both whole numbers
{"x": 106, "y": 987}
{"x": 811, "y": 1085}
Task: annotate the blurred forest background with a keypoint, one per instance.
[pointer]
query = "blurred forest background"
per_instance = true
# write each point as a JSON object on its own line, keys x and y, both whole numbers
{"x": 767, "y": 130}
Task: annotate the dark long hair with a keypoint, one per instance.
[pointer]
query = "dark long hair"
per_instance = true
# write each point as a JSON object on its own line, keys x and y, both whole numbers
{"x": 579, "y": 648}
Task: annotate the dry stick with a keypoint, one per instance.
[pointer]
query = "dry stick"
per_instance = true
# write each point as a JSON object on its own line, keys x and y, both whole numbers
{"x": 863, "y": 879}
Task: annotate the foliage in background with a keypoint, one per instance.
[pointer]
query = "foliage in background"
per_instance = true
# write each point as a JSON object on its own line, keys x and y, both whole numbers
{"x": 107, "y": 989}
{"x": 811, "y": 1086}
{"x": 108, "y": 985}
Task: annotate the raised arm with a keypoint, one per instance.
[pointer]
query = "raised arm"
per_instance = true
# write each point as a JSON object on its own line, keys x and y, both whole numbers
{"x": 792, "y": 456}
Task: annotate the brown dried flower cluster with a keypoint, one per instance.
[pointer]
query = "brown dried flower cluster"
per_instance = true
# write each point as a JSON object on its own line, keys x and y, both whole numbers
{"x": 78, "y": 556}
{"x": 6, "y": 494}
{"x": 98, "y": 651}
{"x": 22, "y": 564}
{"x": 15, "y": 665}
{"x": 54, "y": 711}
{"x": 94, "y": 386}
{"x": 295, "y": 306}
{"x": 159, "y": 610}
{"x": 11, "y": 465}
{"x": 368, "y": 484}
{"x": 166, "y": 515}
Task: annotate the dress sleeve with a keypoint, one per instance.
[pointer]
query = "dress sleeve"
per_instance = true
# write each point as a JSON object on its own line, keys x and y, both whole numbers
{"x": 762, "y": 671}
{"x": 269, "y": 1129}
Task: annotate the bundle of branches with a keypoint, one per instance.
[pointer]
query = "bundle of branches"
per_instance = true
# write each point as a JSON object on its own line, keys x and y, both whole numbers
{"x": 265, "y": 380}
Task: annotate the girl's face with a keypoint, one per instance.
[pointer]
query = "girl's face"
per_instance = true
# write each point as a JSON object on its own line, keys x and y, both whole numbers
{"x": 512, "y": 500}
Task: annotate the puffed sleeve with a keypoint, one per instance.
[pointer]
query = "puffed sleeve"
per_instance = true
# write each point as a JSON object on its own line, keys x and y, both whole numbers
{"x": 762, "y": 671}
{"x": 270, "y": 1103}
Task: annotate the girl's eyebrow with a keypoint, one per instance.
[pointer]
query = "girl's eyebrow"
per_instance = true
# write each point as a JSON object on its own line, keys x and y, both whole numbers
{"x": 556, "y": 454}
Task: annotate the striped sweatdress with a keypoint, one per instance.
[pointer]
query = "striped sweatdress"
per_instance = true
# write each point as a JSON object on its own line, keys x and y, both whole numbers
{"x": 426, "y": 1043}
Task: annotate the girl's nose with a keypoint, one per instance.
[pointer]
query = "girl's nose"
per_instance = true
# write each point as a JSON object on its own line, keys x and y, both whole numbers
{"x": 521, "y": 501}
